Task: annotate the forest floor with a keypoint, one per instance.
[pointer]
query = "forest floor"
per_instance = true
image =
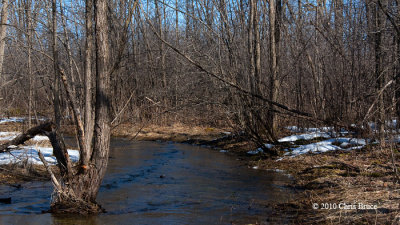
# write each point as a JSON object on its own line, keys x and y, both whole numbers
{"x": 359, "y": 186}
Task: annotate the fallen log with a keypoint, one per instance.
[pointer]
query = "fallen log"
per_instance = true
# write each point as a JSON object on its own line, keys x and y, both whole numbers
{"x": 31, "y": 133}
{"x": 59, "y": 148}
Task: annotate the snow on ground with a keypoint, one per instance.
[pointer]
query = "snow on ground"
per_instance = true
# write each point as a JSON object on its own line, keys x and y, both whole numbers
{"x": 259, "y": 150}
{"x": 307, "y": 136}
{"x": 12, "y": 120}
{"x": 296, "y": 129}
{"x": 255, "y": 152}
{"x": 328, "y": 145}
{"x": 2, "y": 134}
{"x": 333, "y": 141}
{"x": 30, "y": 153}
{"x": 40, "y": 138}
{"x": 19, "y": 119}
{"x": 8, "y": 136}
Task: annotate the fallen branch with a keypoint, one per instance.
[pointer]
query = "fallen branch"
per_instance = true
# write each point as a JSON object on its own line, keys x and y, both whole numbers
{"x": 59, "y": 149}
{"x": 53, "y": 178}
{"x": 31, "y": 133}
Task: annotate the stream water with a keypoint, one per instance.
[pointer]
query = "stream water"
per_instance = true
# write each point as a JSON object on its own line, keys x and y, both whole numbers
{"x": 162, "y": 183}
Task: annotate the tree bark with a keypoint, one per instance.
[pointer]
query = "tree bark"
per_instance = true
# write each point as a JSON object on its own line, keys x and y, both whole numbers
{"x": 102, "y": 117}
{"x": 274, "y": 14}
{"x": 89, "y": 111}
{"x": 56, "y": 81}
{"x": 375, "y": 26}
{"x": 80, "y": 188}
{"x": 28, "y": 9}
{"x": 3, "y": 32}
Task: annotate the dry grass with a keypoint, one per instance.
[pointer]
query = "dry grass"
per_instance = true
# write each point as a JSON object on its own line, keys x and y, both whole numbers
{"x": 18, "y": 173}
{"x": 355, "y": 177}
{"x": 176, "y": 132}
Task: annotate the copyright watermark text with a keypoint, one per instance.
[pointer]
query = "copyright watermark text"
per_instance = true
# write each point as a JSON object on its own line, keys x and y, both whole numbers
{"x": 344, "y": 206}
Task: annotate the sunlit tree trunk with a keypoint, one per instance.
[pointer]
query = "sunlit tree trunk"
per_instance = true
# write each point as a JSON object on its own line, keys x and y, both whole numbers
{"x": 56, "y": 78}
{"x": 3, "y": 32}
{"x": 89, "y": 111}
{"x": 28, "y": 10}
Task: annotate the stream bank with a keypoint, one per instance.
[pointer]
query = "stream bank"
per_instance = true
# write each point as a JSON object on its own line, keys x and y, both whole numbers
{"x": 365, "y": 176}
{"x": 342, "y": 183}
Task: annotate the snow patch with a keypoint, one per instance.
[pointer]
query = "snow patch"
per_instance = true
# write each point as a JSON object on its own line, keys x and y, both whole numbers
{"x": 30, "y": 153}
{"x": 310, "y": 129}
{"x": 329, "y": 145}
{"x": 307, "y": 136}
{"x": 255, "y": 152}
{"x": 40, "y": 138}
{"x": 19, "y": 119}
{"x": 269, "y": 146}
{"x": 8, "y": 136}
{"x": 12, "y": 120}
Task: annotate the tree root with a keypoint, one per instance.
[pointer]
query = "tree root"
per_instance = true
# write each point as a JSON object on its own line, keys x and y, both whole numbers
{"x": 66, "y": 203}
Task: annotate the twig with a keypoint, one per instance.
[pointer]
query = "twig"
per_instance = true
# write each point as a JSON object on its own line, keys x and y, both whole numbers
{"x": 122, "y": 110}
{"x": 137, "y": 133}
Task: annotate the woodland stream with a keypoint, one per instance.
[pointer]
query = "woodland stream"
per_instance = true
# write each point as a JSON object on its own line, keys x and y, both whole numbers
{"x": 162, "y": 183}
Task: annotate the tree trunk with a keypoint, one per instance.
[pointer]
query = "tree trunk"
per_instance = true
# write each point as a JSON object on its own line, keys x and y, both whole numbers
{"x": 274, "y": 14}
{"x": 80, "y": 188}
{"x": 250, "y": 48}
{"x": 3, "y": 32}
{"x": 28, "y": 9}
{"x": 379, "y": 74}
{"x": 257, "y": 49}
{"x": 89, "y": 112}
{"x": 56, "y": 81}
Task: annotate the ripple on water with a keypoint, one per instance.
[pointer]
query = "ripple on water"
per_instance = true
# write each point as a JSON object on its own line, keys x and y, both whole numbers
{"x": 162, "y": 183}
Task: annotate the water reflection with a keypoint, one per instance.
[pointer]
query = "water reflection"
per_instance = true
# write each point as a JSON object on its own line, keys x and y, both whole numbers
{"x": 76, "y": 220}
